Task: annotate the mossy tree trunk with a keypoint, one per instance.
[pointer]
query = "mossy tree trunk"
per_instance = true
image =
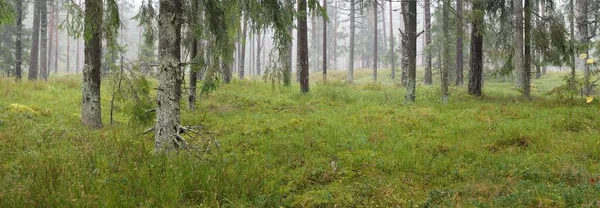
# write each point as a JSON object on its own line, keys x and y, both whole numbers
{"x": 411, "y": 33}
{"x": 91, "y": 114}
{"x": 44, "y": 40}
{"x": 169, "y": 75}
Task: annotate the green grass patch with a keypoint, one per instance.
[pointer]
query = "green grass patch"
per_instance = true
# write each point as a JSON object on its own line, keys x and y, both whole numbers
{"x": 342, "y": 145}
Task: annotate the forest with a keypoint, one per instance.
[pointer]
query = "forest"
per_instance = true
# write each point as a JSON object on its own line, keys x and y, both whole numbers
{"x": 299, "y": 103}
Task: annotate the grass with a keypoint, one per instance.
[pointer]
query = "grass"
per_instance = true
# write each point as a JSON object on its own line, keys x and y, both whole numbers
{"x": 340, "y": 145}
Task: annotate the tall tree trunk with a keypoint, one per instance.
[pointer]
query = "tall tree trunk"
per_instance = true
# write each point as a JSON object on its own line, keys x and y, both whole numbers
{"x": 350, "y": 76}
{"x": 56, "y": 37}
{"x": 18, "y": 43}
{"x": 536, "y": 54}
{"x": 446, "y": 67}
{"x": 243, "y": 48}
{"x": 50, "y": 36}
{"x": 392, "y": 54}
{"x": 411, "y": 32}
{"x": 404, "y": 43}
{"x": 518, "y": 55}
{"x": 476, "y": 68}
{"x": 194, "y": 70}
{"x": 35, "y": 38}
{"x": 325, "y": 43}
{"x": 169, "y": 76}
{"x": 68, "y": 51}
{"x": 91, "y": 113}
{"x": 428, "y": 80}
{"x": 459, "y": 43}
{"x": 303, "y": 47}
{"x": 582, "y": 26}
{"x": 572, "y": 43}
{"x": 527, "y": 57}
{"x": 287, "y": 73}
{"x": 383, "y": 25}
{"x": 259, "y": 45}
{"x": 44, "y": 40}
{"x": 543, "y": 15}
{"x": 375, "y": 32}
{"x": 78, "y": 64}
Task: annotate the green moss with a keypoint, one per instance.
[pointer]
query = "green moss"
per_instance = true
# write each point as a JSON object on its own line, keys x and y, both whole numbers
{"x": 345, "y": 145}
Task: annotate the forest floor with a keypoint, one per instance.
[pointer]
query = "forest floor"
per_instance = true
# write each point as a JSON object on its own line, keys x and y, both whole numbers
{"x": 340, "y": 145}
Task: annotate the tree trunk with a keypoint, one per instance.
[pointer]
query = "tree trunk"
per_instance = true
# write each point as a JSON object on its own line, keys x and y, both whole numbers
{"x": 18, "y": 43}
{"x": 518, "y": 55}
{"x": 375, "y": 32}
{"x": 56, "y": 37}
{"x": 350, "y": 76}
{"x": 303, "y": 47}
{"x": 476, "y": 68}
{"x": 446, "y": 68}
{"x": 243, "y": 49}
{"x": 459, "y": 43}
{"x": 582, "y": 26}
{"x": 527, "y": 57}
{"x": 392, "y": 54}
{"x": 169, "y": 76}
{"x": 50, "y": 36}
{"x": 572, "y": 21}
{"x": 44, "y": 40}
{"x": 411, "y": 33}
{"x": 383, "y": 25}
{"x": 91, "y": 114}
{"x": 325, "y": 43}
{"x": 35, "y": 38}
{"x": 543, "y": 15}
{"x": 428, "y": 79}
{"x": 194, "y": 71}
{"x": 258, "y": 49}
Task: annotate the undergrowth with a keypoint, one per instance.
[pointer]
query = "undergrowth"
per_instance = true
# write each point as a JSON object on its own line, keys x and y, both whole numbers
{"x": 340, "y": 145}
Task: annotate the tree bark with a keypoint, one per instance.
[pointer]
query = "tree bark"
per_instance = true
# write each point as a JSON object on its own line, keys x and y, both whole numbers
{"x": 194, "y": 72}
{"x": 18, "y": 42}
{"x": 582, "y": 26}
{"x": 169, "y": 76}
{"x": 35, "y": 38}
{"x": 476, "y": 68}
{"x": 446, "y": 68}
{"x": 258, "y": 49}
{"x": 44, "y": 40}
{"x": 428, "y": 79}
{"x": 91, "y": 114}
{"x": 527, "y": 57}
{"x": 543, "y": 15}
{"x": 572, "y": 43}
{"x": 303, "y": 47}
{"x": 325, "y": 43}
{"x": 459, "y": 43}
{"x": 243, "y": 49}
{"x": 392, "y": 54}
{"x": 350, "y": 76}
{"x": 375, "y": 41}
{"x": 56, "y": 38}
{"x": 68, "y": 51}
{"x": 411, "y": 32}
{"x": 518, "y": 55}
